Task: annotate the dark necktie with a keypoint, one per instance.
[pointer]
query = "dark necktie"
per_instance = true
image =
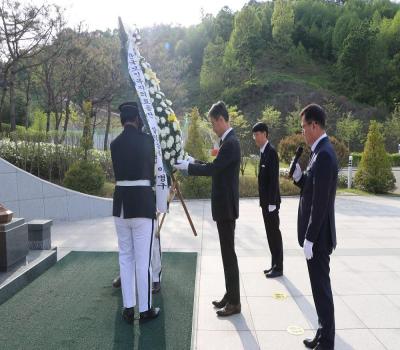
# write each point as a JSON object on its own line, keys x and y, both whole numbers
{"x": 220, "y": 143}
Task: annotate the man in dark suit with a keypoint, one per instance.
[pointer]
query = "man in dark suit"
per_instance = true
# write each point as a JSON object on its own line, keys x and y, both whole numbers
{"x": 134, "y": 211}
{"x": 316, "y": 220}
{"x": 224, "y": 201}
{"x": 270, "y": 197}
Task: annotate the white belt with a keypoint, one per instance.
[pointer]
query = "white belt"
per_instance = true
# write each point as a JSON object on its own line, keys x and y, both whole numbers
{"x": 133, "y": 183}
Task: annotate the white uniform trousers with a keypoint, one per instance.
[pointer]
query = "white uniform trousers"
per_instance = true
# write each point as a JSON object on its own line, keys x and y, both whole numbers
{"x": 135, "y": 242}
{"x": 156, "y": 259}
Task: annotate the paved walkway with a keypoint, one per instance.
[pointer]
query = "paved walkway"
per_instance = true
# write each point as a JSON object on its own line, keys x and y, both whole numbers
{"x": 365, "y": 272}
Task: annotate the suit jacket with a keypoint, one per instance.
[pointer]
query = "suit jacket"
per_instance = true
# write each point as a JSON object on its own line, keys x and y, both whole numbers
{"x": 225, "y": 179}
{"x": 268, "y": 178}
{"x": 133, "y": 158}
{"x": 316, "y": 215}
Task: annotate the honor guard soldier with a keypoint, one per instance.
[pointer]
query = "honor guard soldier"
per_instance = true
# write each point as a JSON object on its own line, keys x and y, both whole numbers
{"x": 134, "y": 211}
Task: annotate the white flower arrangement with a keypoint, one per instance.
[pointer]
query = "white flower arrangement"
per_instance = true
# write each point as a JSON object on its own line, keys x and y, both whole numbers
{"x": 168, "y": 125}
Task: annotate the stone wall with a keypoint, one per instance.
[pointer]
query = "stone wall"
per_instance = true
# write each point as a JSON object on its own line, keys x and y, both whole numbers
{"x": 30, "y": 197}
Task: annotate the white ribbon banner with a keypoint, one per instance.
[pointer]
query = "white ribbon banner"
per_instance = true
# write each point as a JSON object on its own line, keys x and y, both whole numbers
{"x": 137, "y": 77}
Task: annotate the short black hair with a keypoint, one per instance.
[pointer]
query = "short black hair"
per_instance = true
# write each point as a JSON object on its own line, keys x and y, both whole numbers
{"x": 260, "y": 126}
{"x": 314, "y": 113}
{"x": 129, "y": 112}
{"x": 218, "y": 109}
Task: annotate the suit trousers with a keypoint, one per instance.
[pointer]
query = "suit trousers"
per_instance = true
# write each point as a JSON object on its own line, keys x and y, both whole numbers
{"x": 318, "y": 270}
{"x": 135, "y": 242}
{"x": 274, "y": 237}
{"x": 156, "y": 259}
{"x": 226, "y": 232}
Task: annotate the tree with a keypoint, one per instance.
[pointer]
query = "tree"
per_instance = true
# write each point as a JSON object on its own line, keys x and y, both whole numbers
{"x": 195, "y": 144}
{"x": 272, "y": 118}
{"x": 374, "y": 172}
{"x": 392, "y": 130}
{"x": 292, "y": 123}
{"x": 246, "y": 42}
{"x": 348, "y": 129}
{"x": 212, "y": 82}
{"x": 196, "y": 186}
{"x": 243, "y": 132}
{"x": 283, "y": 24}
{"x": 24, "y": 30}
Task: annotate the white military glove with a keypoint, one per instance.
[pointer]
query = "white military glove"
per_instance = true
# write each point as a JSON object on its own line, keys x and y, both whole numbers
{"x": 182, "y": 165}
{"x": 297, "y": 174}
{"x": 190, "y": 159}
{"x": 307, "y": 247}
{"x": 271, "y": 208}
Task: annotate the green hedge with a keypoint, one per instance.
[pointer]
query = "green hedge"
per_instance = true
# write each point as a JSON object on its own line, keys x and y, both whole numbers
{"x": 50, "y": 161}
{"x": 200, "y": 187}
{"x": 394, "y": 159}
{"x": 288, "y": 145}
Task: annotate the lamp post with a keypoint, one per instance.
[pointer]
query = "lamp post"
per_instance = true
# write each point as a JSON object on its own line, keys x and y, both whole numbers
{"x": 350, "y": 171}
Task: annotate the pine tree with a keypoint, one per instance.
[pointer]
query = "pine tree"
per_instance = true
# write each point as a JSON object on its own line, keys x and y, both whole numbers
{"x": 374, "y": 173}
{"x": 195, "y": 144}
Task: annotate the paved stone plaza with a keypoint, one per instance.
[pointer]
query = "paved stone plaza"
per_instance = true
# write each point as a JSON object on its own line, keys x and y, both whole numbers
{"x": 365, "y": 273}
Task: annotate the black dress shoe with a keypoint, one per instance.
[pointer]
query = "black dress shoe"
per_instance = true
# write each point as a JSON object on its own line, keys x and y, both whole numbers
{"x": 312, "y": 343}
{"x": 323, "y": 347}
{"x": 128, "y": 314}
{"x": 268, "y": 270}
{"x": 117, "y": 282}
{"x": 149, "y": 314}
{"x": 230, "y": 309}
{"x": 274, "y": 273}
{"x": 220, "y": 304}
{"x": 156, "y": 287}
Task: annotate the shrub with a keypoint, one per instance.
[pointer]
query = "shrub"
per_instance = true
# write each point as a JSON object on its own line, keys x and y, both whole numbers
{"x": 374, "y": 173}
{"x": 342, "y": 181}
{"x": 248, "y": 186}
{"x": 50, "y": 161}
{"x": 287, "y": 187}
{"x": 86, "y": 177}
{"x": 356, "y": 158}
{"x": 394, "y": 159}
{"x": 196, "y": 186}
{"x": 288, "y": 145}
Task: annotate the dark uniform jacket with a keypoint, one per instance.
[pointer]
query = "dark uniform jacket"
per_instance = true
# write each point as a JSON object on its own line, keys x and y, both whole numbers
{"x": 316, "y": 216}
{"x": 133, "y": 158}
{"x": 268, "y": 178}
{"x": 225, "y": 179}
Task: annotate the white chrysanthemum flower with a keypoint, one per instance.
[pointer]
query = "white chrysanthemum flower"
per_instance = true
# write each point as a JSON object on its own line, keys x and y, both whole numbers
{"x": 167, "y": 155}
{"x": 152, "y": 91}
{"x": 178, "y": 147}
{"x": 168, "y": 102}
{"x": 172, "y": 161}
{"x": 171, "y": 139}
{"x": 163, "y": 145}
{"x": 168, "y": 111}
{"x": 170, "y": 142}
{"x": 151, "y": 100}
{"x": 158, "y": 96}
{"x": 162, "y": 120}
{"x": 180, "y": 157}
{"x": 175, "y": 126}
{"x": 147, "y": 77}
{"x": 177, "y": 138}
{"x": 159, "y": 109}
{"x": 163, "y": 104}
{"x": 166, "y": 131}
{"x": 173, "y": 153}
